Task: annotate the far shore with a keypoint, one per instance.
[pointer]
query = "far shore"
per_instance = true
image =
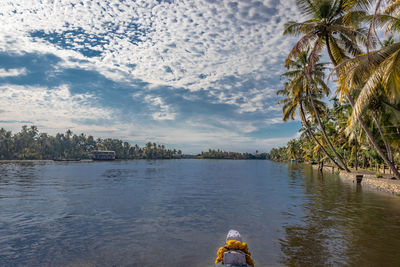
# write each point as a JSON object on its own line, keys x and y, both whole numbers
{"x": 86, "y": 160}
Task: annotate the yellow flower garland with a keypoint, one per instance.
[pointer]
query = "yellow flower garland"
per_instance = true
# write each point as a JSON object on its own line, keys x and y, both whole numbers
{"x": 234, "y": 245}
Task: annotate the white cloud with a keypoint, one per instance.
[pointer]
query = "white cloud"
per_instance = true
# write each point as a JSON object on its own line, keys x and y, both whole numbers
{"x": 12, "y": 72}
{"x": 187, "y": 44}
{"x": 51, "y": 108}
{"x": 232, "y": 50}
{"x": 161, "y": 110}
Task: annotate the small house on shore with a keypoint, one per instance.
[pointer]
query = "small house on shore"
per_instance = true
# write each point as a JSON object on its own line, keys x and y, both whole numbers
{"x": 103, "y": 155}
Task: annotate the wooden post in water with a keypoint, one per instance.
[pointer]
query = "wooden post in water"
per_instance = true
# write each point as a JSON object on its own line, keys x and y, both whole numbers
{"x": 359, "y": 178}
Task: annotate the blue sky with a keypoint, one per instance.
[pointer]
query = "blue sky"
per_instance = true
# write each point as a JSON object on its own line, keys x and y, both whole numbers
{"x": 191, "y": 75}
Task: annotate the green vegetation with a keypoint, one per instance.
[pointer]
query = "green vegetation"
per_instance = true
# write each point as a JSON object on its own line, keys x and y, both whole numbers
{"x": 360, "y": 125}
{"x": 219, "y": 154}
{"x": 30, "y": 144}
{"x": 293, "y": 151}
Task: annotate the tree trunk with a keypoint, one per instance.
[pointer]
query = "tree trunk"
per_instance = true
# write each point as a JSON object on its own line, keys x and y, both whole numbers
{"x": 324, "y": 133}
{"x": 356, "y": 155}
{"x": 373, "y": 140}
{"x": 316, "y": 112}
{"x": 303, "y": 117}
{"x": 387, "y": 145}
{"x": 363, "y": 161}
{"x": 362, "y": 122}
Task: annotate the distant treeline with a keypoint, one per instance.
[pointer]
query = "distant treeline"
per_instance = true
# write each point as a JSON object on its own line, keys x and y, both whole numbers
{"x": 219, "y": 154}
{"x": 30, "y": 144}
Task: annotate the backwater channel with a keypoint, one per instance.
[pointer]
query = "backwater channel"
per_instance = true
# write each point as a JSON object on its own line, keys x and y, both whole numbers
{"x": 178, "y": 212}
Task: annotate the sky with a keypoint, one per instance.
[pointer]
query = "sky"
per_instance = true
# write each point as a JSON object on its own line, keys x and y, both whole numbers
{"x": 191, "y": 75}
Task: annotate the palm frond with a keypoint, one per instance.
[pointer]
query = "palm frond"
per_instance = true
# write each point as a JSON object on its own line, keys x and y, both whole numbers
{"x": 371, "y": 31}
{"x": 367, "y": 91}
{"x": 392, "y": 23}
{"x": 352, "y": 18}
{"x": 296, "y": 28}
{"x": 325, "y": 88}
{"x": 360, "y": 4}
{"x": 291, "y": 74}
{"x": 391, "y": 77}
{"x": 338, "y": 53}
{"x": 356, "y": 71}
{"x": 315, "y": 54}
{"x": 301, "y": 46}
{"x": 350, "y": 45}
{"x": 355, "y": 35}
{"x": 393, "y": 6}
{"x": 307, "y": 6}
{"x": 289, "y": 111}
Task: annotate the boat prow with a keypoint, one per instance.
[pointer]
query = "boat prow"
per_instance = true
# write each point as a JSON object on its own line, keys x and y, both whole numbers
{"x": 235, "y": 253}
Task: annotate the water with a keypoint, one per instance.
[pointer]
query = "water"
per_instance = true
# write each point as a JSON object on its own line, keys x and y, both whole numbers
{"x": 177, "y": 213}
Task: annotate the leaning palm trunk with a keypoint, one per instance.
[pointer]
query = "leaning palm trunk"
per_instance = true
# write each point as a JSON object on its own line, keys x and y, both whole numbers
{"x": 324, "y": 132}
{"x": 387, "y": 145}
{"x": 364, "y": 125}
{"x": 303, "y": 118}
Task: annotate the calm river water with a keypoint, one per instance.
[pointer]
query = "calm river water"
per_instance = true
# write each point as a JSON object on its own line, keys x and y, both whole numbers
{"x": 177, "y": 213}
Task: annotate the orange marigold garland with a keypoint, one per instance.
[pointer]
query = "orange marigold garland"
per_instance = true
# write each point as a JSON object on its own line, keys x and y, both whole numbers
{"x": 234, "y": 245}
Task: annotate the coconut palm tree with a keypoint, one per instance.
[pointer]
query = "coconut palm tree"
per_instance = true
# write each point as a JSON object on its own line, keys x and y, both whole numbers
{"x": 299, "y": 96}
{"x": 375, "y": 72}
{"x": 294, "y": 150}
{"x": 312, "y": 87}
{"x": 333, "y": 25}
{"x": 380, "y": 69}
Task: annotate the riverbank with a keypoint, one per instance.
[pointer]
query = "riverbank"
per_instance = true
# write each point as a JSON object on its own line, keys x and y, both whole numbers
{"x": 369, "y": 179}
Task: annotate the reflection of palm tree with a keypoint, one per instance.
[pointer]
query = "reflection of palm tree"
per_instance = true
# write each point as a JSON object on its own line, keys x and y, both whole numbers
{"x": 299, "y": 95}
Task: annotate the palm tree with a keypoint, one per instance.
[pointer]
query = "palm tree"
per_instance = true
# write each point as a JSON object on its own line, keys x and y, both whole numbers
{"x": 374, "y": 72}
{"x": 333, "y": 25}
{"x": 300, "y": 86}
{"x": 294, "y": 150}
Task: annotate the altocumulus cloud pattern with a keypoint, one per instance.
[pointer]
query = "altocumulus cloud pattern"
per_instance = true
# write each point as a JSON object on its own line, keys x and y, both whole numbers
{"x": 193, "y": 74}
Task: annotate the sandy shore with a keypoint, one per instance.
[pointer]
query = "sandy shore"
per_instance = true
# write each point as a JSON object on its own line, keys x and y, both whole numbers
{"x": 384, "y": 184}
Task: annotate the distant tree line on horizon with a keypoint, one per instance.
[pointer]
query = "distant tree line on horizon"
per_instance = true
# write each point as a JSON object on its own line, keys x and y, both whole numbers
{"x": 219, "y": 154}
{"x": 30, "y": 144}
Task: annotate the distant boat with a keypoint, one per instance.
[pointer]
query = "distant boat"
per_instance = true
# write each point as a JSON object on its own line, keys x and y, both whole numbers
{"x": 103, "y": 155}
